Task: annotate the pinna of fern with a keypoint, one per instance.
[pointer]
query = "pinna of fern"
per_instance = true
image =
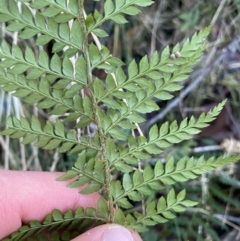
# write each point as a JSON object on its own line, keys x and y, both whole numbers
{"x": 115, "y": 105}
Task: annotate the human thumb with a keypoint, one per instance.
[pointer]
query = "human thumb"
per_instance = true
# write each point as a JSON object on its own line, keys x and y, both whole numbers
{"x": 109, "y": 232}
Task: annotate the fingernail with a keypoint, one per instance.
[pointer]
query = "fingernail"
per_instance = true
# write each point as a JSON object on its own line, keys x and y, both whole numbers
{"x": 117, "y": 233}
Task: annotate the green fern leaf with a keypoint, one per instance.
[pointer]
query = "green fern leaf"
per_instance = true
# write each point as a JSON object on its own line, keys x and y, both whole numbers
{"x": 115, "y": 105}
{"x": 73, "y": 222}
{"x": 156, "y": 212}
{"x": 167, "y": 135}
{"x": 50, "y": 137}
{"x": 167, "y": 175}
{"x": 22, "y": 64}
{"x": 141, "y": 100}
{"x": 88, "y": 171}
{"x": 113, "y": 10}
{"x": 48, "y": 29}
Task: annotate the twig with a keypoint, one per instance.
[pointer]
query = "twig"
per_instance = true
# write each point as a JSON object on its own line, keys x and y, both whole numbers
{"x": 6, "y": 149}
{"x": 206, "y": 148}
{"x": 35, "y": 149}
{"x": 216, "y": 15}
{"x": 154, "y": 30}
{"x": 7, "y": 153}
{"x": 55, "y": 161}
{"x": 19, "y": 112}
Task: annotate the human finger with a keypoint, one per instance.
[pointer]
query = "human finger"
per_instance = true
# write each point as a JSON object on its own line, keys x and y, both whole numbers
{"x": 109, "y": 232}
{"x": 27, "y": 196}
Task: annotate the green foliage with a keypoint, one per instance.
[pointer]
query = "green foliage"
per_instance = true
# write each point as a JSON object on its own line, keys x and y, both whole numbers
{"x": 73, "y": 223}
{"x": 89, "y": 171}
{"x": 210, "y": 222}
{"x": 63, "y": 84}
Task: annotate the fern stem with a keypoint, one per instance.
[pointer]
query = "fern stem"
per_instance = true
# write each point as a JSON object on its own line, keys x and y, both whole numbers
{"x": 81, "y": 19}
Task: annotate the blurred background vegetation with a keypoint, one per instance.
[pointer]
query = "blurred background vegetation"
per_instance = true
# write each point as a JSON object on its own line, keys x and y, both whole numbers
{"x": 215, "y": 78}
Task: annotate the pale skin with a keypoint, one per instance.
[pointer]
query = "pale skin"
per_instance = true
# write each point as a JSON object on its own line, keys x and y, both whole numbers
{"x": 26, "y": 196}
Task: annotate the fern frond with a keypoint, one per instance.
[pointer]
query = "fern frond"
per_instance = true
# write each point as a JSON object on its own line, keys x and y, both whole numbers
{"x": 50, "y": 90}
{"x": 113, "y": 10}
{"x": 137, "y": 184}
{"x": 56, "y": 8}
{"x": 114, "y": 105}
{"x": 57, "y": 99}
{"x": 160, "y": 69}
{"x": 73, "y": 223}
{"x": 102, "y": 59}
{"x": 153, "y": 78}
{"x": 156, "y": 212}
{"x": 164, "y": 137}
{"x": 88, "y": 171}
{"x": 30, "y": 24}
{"x": 17, "y": 63}
{"x": 52, "y": 136}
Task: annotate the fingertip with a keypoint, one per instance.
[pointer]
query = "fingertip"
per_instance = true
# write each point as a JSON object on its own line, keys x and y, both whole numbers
{"x": 27, "y": 196}
{"x": 109, "y": 232}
